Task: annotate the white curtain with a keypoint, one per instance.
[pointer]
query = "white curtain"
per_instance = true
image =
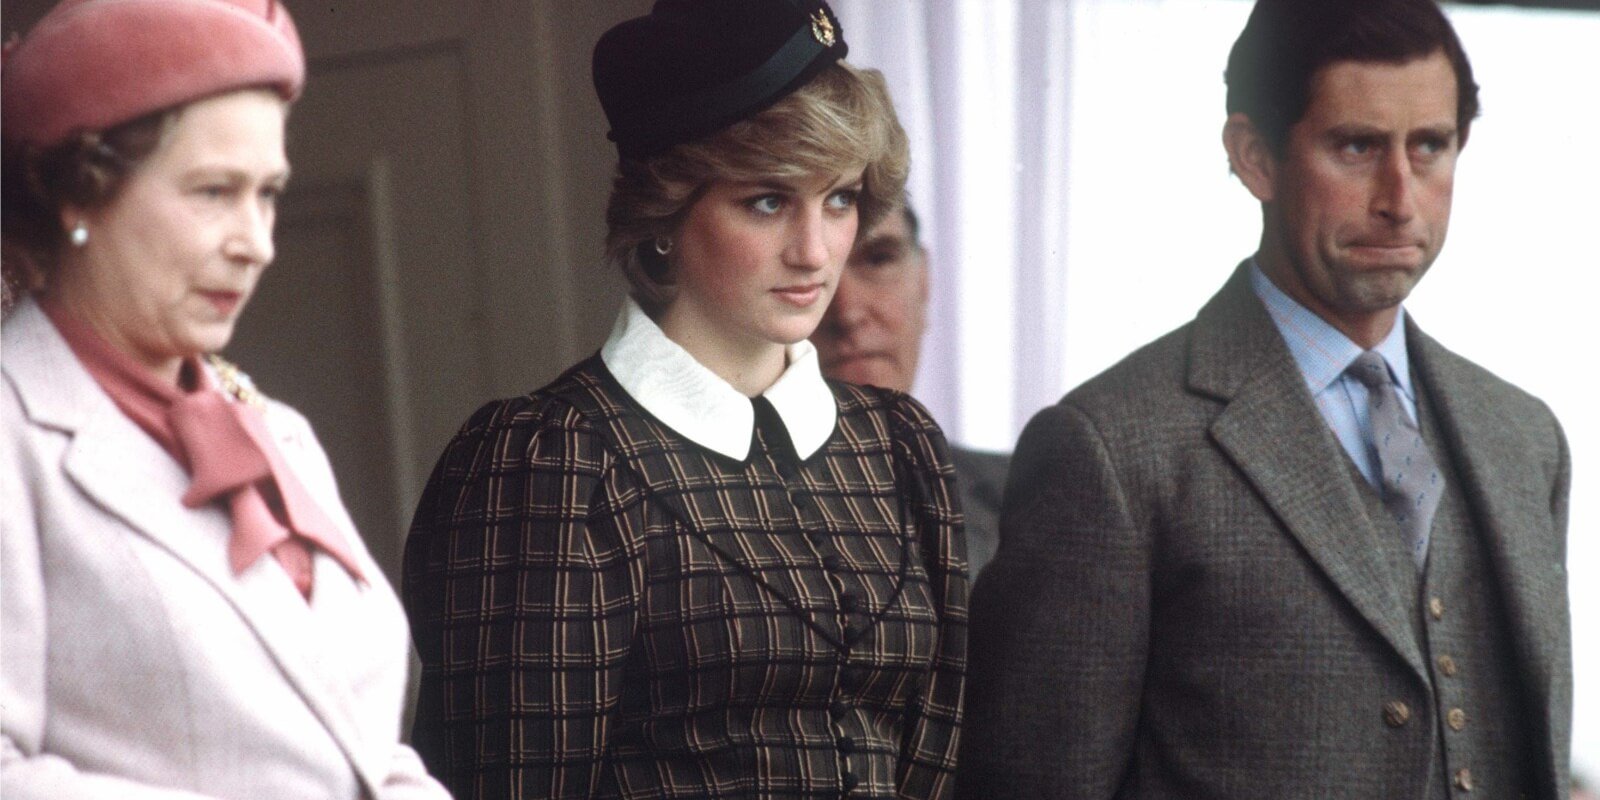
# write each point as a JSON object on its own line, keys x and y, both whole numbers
{"x": 981, "y": 89}
{"x": 1076, "y": 201}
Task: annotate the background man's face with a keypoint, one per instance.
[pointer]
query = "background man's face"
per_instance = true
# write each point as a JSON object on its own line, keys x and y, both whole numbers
{"x": 1361, "y": 195}
{"x": 872, "y": 332}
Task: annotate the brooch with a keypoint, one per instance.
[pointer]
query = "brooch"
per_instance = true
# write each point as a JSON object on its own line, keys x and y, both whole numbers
{"x": 237, "y": 384}
{"x": 822, "y": 28}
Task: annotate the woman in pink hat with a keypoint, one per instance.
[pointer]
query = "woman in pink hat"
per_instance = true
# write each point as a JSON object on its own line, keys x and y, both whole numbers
{"x": 186, "y": 609}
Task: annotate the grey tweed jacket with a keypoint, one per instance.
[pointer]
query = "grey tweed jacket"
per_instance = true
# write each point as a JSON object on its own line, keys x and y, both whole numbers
{"x": 1188, "y": 601}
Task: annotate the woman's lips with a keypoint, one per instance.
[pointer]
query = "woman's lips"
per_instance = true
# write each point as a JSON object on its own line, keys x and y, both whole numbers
{"x": 800, "y": 296}
{"x": 224, "y": 302}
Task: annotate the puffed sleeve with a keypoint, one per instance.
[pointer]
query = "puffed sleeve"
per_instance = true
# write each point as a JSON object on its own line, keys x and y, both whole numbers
{"x": 932, "y": 736}
{"x": 522, "y": 580}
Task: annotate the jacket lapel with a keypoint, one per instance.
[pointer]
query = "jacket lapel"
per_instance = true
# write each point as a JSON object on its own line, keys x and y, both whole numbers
{"x": 1270, "y": 428}
{"x": 107, "y": 449}
{"x": 1486, "y": 448}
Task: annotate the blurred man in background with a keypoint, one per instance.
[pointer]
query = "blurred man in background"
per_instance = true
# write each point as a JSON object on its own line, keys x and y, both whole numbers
{"x": 872, "y": 334}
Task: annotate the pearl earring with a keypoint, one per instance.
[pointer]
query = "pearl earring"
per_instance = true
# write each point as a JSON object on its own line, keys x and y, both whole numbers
{"x": 663, "y": 245}
{"x": 80, "y": 235}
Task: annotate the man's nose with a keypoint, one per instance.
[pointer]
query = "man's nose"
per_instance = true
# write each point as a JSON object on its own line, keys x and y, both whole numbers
{"x": 1394, "y": 197}
{"x": 849, "y": 307}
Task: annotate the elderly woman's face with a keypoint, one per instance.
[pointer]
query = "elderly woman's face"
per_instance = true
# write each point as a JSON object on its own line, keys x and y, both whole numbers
{"x": 759, "y": 262}
{"x": 173, "y": 259}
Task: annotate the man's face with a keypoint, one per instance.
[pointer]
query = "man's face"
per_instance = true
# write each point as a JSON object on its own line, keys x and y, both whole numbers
{"x": 873, "y": 330}
{"x": 1359, "y": 201}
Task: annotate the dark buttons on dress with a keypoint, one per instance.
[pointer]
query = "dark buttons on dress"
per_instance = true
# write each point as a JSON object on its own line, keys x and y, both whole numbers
{"x": 851, "y": 781}
{"x": 839, "y": 708}
{"x": 831, "y": 562}
{"x": 1464, "y": 779}
{"x": 847, "y": 744}
{"x": 1456, "y": 719}
{"x": 851, "y": 631}
{"x": 1436, "y": 608}
{"x": 1447, "y": 666}
{"x": 1396, "y": 713}
{"x": 849, "y": 602}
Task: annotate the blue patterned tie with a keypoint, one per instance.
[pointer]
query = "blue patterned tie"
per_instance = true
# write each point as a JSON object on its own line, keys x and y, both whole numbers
{"x": 1412, "y": 485}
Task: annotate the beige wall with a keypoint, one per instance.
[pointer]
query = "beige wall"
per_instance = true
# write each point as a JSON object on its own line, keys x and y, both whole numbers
{"x": 440, "y": 243}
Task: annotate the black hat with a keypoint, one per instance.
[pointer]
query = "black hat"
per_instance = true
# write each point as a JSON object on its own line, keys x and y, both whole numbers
{"x": 693, "y": 67}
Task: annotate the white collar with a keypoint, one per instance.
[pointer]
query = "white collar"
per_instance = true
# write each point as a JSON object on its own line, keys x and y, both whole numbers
{"x": 697, "y": 403}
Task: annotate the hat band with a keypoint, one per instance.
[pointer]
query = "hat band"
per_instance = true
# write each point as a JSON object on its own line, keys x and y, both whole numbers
{"x": 670, "y": 119}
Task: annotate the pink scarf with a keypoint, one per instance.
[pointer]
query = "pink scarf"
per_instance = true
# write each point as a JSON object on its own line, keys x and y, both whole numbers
{"x": 226, "y": 449}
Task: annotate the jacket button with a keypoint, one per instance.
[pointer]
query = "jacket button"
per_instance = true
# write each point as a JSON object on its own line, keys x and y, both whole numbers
{"x": 1447, "y": 666}
{"x": 1436, "y": 608}
{"x": 847, "y": 744}
{"x": 1396, "y": 713}
{"x": 1456, "y": 719}
{"x": 831, "y": 562}
{"x": 848, "y": 602}
{"x": 839, "y": 708}
{"x": 851, "y": 631}
{"x": 1464, "y": 779}
{"x": 851, "y": 781}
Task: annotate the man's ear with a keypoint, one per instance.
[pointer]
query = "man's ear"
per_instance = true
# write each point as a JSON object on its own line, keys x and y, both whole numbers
{"x": 1250, "y": 156}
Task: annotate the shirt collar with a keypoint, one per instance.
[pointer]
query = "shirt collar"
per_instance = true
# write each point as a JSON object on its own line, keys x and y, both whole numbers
{"x": 1321, "y": 351}
{"x": 694, "y": 401}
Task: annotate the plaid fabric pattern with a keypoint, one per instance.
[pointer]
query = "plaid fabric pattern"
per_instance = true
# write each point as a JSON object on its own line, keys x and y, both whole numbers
{"x": 605, "y": 609}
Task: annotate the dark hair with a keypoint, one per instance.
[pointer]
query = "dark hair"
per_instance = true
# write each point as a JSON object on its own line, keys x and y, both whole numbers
{"x": 1286, "y": 42}
{"x": 87, "y": 170}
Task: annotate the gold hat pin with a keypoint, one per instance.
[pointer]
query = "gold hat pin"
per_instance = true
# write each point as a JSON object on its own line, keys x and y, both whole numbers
{"x": 822, "y": 28}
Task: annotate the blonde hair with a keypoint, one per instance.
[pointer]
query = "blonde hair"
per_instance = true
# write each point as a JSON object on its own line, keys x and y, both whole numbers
{"x": 840, "y": 121}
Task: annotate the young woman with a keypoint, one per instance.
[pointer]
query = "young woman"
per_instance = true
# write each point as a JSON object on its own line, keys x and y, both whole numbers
{"x": 690, "y": 567}
{"x": 187, "y": 610}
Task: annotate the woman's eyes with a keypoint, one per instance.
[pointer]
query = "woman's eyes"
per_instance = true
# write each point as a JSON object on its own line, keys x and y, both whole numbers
{"x": 771, "y": 204}
{"x": 767, "y": 204}
{"x": 227, "y": 192}
{"x": 843, "y": 199}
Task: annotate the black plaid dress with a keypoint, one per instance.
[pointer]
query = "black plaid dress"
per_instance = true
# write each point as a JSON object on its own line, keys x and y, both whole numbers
{"x": 605, "y": 609}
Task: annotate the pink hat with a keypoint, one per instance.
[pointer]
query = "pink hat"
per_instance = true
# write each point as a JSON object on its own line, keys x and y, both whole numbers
{"x": 92, "y": 64}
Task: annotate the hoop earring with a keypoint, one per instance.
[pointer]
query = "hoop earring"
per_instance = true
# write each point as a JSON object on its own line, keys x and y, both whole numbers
{"x": 663, "y": 245}
{"x": 79, "y": 235}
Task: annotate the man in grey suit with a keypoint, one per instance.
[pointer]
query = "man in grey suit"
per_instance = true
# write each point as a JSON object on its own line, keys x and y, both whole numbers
{"x": 1295, "y": 548}
{"x": 872, "y": 334}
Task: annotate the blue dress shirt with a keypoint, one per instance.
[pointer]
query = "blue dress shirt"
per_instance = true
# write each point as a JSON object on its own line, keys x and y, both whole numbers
{"x": 1323, "y": 354}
